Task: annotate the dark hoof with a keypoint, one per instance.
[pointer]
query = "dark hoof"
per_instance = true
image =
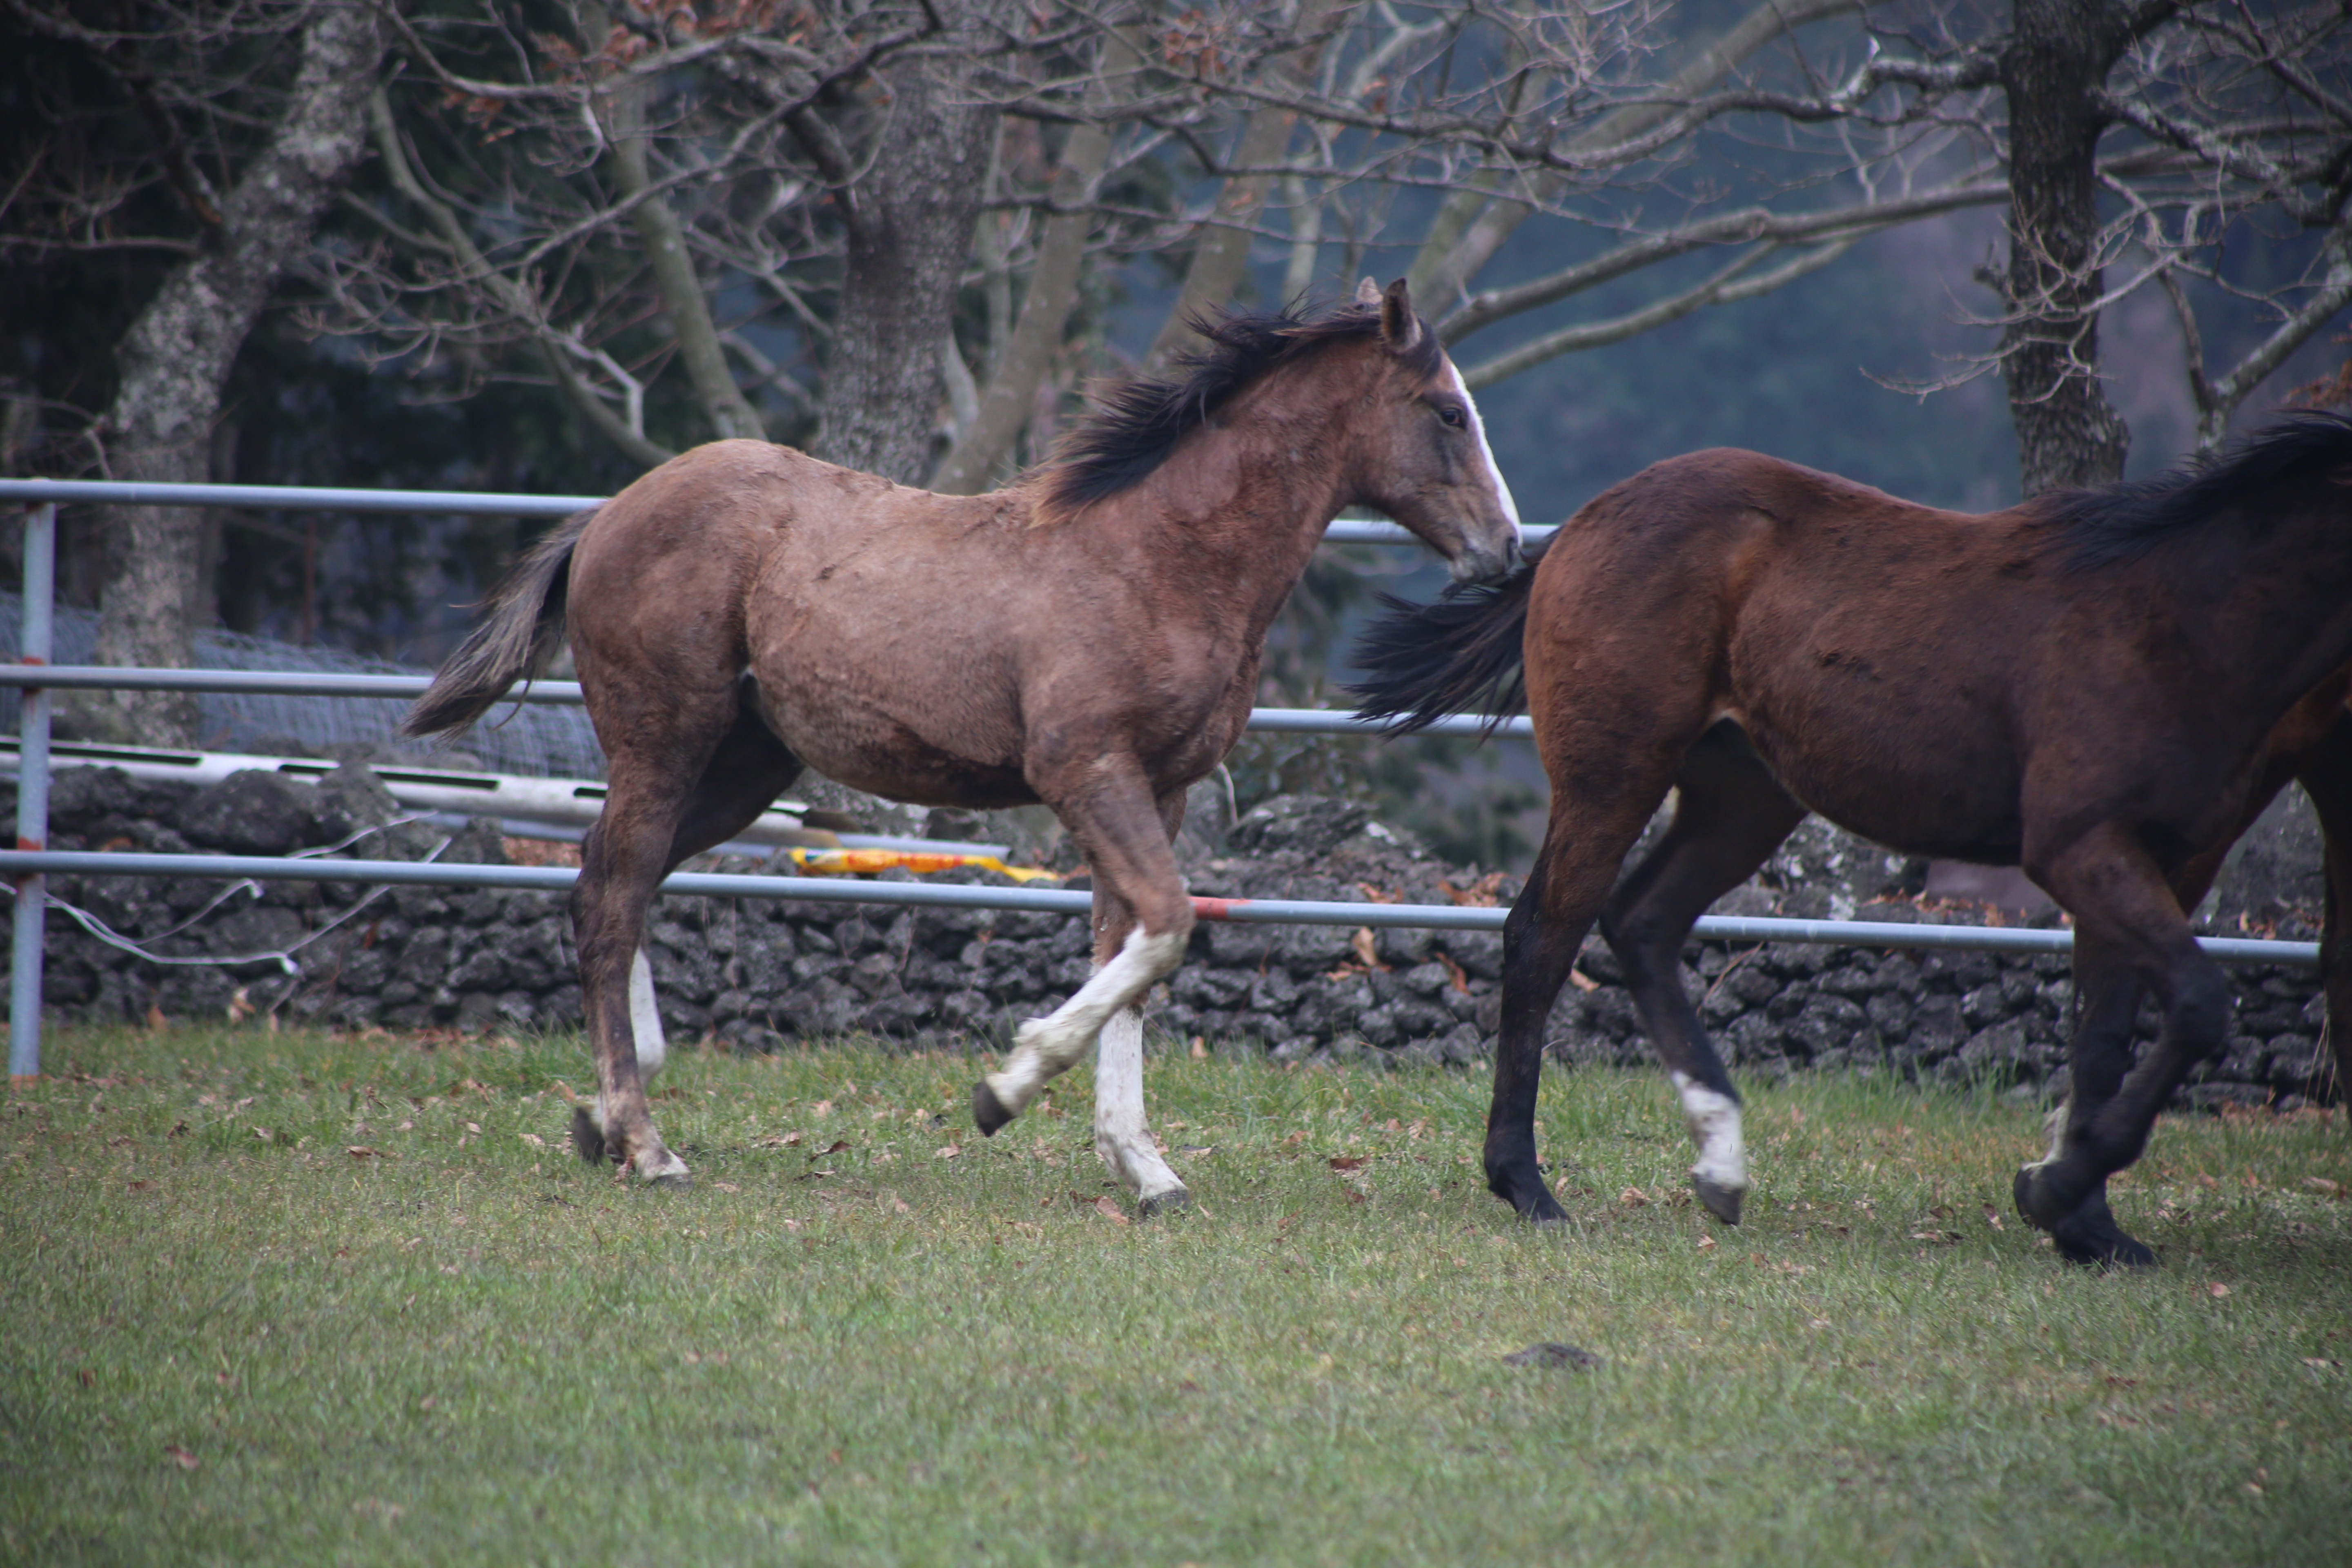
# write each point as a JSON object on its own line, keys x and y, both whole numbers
{"x": 1527, "y": 1194}
{"x": 1722, "y": 1202}
{"x": 2041, "y": 1207}
{"x": 2091, "y": 1236}
{"x": 585, "y": 1140}
{"x": 1168, "y": 1202}
{"x": 988, "y": 1112}
{"x": 2088, "y": 1233}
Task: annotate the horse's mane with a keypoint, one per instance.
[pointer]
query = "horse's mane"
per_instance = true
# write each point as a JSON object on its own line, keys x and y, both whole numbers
{"x": 2120, "y": 522}
{"x": 1137, "y": 424}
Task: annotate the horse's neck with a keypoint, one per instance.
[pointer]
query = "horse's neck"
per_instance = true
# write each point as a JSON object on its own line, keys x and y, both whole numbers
{"x": 1247, "y": 499}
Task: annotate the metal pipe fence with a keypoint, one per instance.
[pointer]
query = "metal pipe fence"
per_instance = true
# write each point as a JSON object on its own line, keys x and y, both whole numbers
{"x": 31, "y": 862}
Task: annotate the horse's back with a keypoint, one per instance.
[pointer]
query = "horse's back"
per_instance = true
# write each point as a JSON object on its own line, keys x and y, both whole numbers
{"x": 1851, "y": 633}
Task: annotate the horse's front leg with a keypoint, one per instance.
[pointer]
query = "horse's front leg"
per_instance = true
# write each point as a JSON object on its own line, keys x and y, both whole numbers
{"x": 2129, "y": 933}
{"x": 1144, "y": 919}
{"x": 1122, "y": 1129}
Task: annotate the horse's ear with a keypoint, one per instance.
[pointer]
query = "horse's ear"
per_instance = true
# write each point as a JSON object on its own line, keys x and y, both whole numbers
{"x": 1367, "y": 294}
{"x": 1400, "y": 328}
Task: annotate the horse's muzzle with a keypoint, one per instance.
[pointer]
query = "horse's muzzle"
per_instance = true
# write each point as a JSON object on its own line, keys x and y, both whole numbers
{"x": 1480, "y": 564}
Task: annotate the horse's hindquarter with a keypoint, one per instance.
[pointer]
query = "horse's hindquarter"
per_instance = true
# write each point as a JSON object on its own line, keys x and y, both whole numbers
{"x": 658, "y": 584}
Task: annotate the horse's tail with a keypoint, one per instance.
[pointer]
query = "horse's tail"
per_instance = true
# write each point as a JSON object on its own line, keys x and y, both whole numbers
{"x": 518, "y": 641}
{"x": 1457, "y": 654}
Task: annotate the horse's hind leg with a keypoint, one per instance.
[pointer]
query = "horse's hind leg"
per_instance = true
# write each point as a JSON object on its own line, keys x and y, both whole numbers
{"x": 1584, "y": 844}
{"x": 1729, "y": 815}
{"x": 698, "y": 773}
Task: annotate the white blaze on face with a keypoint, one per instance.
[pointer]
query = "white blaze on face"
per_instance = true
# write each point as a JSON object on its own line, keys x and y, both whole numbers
{"x": 1451, "y": 382}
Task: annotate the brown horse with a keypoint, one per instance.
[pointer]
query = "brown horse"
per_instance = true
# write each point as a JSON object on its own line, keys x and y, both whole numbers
{"x": 1088, "y": 637}
{"x": 2102, "y": 686}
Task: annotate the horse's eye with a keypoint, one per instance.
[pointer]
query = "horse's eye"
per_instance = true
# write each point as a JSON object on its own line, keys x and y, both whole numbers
{"x": 1454, "y": 418}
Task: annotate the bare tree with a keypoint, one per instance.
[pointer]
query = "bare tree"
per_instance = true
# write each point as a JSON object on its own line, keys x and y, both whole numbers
{"x": 245, "y": 231}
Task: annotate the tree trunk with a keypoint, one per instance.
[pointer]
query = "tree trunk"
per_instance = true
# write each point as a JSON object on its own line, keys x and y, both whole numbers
{"x": 683, "y": 300}
{"x": 2060, "y": 52}
{"x": 909, "y": 221}
{"x": 1220, "y": 254}
{"x": 176, "y": 355}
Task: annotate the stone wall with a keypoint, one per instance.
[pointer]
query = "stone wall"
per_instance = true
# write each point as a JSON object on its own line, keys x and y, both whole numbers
{"x": 756, "y": 973}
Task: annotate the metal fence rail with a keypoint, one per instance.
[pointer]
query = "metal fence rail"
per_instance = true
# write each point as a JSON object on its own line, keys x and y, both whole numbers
{"x": 311, "y": 683}
{"x": 452, "y": 504}
{"x": 29, "y": 864}
{"x": 1059, "y": 901}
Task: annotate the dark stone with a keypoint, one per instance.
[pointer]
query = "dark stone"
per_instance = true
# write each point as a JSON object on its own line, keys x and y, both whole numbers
{"x": 1306, "y": 825}
{"x": 1378, "y": 1025}
{"x": 254, "y": 812}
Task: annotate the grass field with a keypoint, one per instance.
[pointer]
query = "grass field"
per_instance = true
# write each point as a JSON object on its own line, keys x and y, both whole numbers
{"x": 292, "y": 1298}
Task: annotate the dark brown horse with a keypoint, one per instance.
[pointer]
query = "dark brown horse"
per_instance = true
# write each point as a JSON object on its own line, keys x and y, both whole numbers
{"x": 1088, "y": 637}
{"x": 2101, "y": 686}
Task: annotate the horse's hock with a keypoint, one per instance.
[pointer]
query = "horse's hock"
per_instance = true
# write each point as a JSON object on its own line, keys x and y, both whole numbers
{"x": 756, "y": 973}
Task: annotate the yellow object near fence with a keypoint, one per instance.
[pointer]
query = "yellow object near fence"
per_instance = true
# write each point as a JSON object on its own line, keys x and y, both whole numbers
{"x": 838, "y": 862}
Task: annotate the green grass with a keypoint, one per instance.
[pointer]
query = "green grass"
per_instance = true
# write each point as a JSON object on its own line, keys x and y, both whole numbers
{"x": 468, "y": 1347}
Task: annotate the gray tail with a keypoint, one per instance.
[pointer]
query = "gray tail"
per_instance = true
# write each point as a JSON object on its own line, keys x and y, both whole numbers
{"x": 518, "y": 642}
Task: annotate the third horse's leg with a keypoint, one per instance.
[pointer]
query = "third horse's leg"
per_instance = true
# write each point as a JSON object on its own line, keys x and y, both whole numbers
{"x": 1730, "y": 813}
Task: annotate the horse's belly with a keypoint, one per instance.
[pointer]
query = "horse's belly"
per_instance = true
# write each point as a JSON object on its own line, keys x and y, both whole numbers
{"x": 867, "y": 746}
{"x": 1951, "y": 801}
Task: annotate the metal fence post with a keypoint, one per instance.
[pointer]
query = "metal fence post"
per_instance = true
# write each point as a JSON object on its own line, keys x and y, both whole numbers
{"x": 32, "y": 796}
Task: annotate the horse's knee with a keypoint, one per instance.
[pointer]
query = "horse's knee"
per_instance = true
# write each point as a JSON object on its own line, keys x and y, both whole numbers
{"x": 2198, "y": 1018}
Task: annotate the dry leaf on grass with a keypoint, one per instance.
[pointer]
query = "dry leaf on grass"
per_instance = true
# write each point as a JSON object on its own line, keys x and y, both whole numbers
{"x": 180, "y": 1456}
{"x": 948, "y": 1151}
{"x": 1633, "y": 1198}
{"x": 1347, "y": 1161}
{"x": 1707, "y": 1243}
{"x": 2217, "y": 1289}
{"x": 2323, "y": 1187}
{"x": 1103, "y": 1206}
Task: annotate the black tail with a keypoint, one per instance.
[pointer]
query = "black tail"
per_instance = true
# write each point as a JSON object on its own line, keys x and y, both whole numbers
{"x": 1459, "y": 653}
{"x": 516, "y": 642}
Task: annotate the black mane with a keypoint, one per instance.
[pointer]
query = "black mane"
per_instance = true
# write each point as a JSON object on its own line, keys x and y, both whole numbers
{"x": 2121, "y": 522}
{"x": 1138, "y": 423}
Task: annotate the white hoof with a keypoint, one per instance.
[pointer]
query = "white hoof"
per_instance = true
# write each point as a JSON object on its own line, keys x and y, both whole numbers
{"x": 663, "y": 1169}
